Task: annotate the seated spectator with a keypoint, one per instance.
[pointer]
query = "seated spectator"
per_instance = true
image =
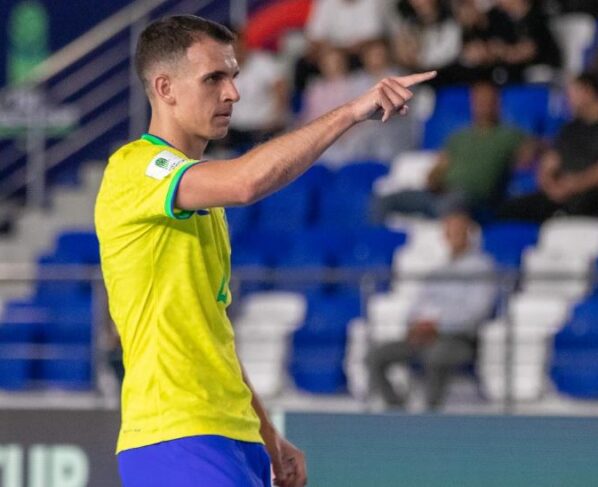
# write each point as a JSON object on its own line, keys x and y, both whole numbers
{"x": 326, "y": 92}
{"x": 262, "y": 110}
{"x": 479, "y": 30}
{"x": 443, "y": 321}
{"x": 426, "y": 36}
{"x": 471, "y": 170}
{"x": 530, "y": 44}
{"x": 373, "y": 140}
{"x": 340, "y": 24}
{"x": 568, "y": 176}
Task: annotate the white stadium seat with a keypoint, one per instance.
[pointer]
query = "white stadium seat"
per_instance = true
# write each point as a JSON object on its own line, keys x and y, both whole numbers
{"x": 575, "y": 33}
{"x": 409, "y": 170}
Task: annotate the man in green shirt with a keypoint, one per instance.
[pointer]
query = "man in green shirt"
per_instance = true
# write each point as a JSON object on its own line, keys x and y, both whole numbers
{"x": 471, "y": 170}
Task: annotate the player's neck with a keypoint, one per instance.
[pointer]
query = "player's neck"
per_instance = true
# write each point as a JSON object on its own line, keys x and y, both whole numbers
{"x": 190, "y": 145}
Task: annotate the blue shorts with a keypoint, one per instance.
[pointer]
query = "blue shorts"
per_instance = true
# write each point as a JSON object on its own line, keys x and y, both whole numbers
{"x": 196, "y": 461}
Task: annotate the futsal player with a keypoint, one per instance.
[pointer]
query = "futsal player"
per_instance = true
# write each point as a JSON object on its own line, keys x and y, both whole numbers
{"x": 189, "y": 416}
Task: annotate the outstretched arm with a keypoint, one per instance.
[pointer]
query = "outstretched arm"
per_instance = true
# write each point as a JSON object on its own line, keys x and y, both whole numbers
{"x": 273, "y": 165}
{"x": 288, "y": 462}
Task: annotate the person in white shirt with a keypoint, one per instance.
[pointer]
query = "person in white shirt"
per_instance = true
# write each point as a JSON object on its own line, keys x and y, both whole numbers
{"x": 443, "y": 321}
{"x": 346, "y": 24}
{"x": 262, "y": 111}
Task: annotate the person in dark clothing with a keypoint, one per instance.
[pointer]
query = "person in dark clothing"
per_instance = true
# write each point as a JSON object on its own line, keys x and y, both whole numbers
{"x": 480, "y": 30}
{"x": 568, "y": 176}
{"x": 471, "y": 169}
{"x": 529, "y": 41}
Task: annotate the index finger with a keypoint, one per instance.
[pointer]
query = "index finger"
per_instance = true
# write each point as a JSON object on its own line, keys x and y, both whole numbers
{"x": 414, "y": 79}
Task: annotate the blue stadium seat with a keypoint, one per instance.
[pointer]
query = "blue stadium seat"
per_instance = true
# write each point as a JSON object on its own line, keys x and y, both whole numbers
{"x": 241, "y": 219}
{"x": 575, "y": 356}
{"x": 526, "y": 106}
{"x": 55, "y": 293}
{"x": 522, "y": 182}
{"x": 506, "y": 241}
{"x": 260, "y": 248}
{"x": 371, "y": 247}
{"x": 359, "y": 175}
{"x": 451, "y": 114}
{"x": 77, "y": 248}
{"x": 21, "y": 324}
{"x": 288, "y": 210}
{"x": 342, "y": 209}
{"x": 345, "y": 202}
{"x": 317, "y": 357}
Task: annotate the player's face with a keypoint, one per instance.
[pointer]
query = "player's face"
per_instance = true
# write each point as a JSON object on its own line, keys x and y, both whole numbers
{"x": 205, "y": 89}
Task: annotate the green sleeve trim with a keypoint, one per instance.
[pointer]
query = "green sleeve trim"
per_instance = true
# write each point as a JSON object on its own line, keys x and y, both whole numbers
{"x": 169, "y": 203}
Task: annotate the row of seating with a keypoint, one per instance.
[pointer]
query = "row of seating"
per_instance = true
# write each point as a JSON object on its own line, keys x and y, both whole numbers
{"x": 53, "y": 329}
{"x": 536, "y": 109}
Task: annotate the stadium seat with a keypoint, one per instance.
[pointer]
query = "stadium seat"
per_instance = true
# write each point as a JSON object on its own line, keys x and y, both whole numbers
{"x": 77, "y": 247}
{"x": 262, "y": 329}
{"x": 21, "y": 324}
{"x": 567, "y": 248}
{"x": 259, "y": 248}
{"x": 574, "y": 367}
{"x": 505, "y": 242}
{"x": 74, "y": 372}
{"x": 241, "y": 219}
{"x": 318, "y": 352}
{"x": 371, "y": 247}
{"x": 285, "y": 309}
{"x": 359, "y": 175}
{"x": 575, "y": 34}
{"x": 522, "y": 182}
{"x": 342, "y": 208}
{"x": 288, "y": 210}
{"x": 526, "y": 106}
{"x": 408, "y": 171}
{"x": 355, "y": 365}
{"x": 451, "y": 113}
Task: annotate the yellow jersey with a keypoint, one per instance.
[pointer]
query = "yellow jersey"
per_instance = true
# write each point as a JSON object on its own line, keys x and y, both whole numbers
{"x": 167, "y": 275}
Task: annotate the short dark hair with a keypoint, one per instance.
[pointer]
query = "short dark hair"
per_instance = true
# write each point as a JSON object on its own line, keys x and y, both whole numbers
{"x": 169, "y": 38}
{"x": 589, "y": 80}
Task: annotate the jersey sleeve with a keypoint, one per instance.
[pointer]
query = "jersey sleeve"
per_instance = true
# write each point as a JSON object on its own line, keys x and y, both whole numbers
{"x": 158, "y": 183}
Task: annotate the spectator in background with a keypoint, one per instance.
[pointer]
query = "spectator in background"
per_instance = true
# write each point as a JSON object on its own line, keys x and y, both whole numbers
{"x": 568, "y": 175}
{"x": 372, "y": 141}
{"x": 444, "y": 319}
{"x": 479, "y": 30}
{"x": 426, "y": 37}
{"x": 529, "y": 44}
{"x": 262, "y": 111}
{"x": 471, "y": 170}
{"x": 327, "y": 91}
{"x": 340, "y": 24}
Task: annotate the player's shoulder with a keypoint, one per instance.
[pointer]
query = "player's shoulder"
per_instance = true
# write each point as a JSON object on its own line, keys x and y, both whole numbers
{"x": 144, "y": 156}
{"x": 143, "y": 150}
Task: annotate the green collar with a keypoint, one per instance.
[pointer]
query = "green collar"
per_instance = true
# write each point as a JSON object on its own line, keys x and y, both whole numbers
{"x": 154, "y": 139}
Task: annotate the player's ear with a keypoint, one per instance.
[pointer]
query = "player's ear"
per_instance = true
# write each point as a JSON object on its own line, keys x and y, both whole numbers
{"x": 162, "y": 87}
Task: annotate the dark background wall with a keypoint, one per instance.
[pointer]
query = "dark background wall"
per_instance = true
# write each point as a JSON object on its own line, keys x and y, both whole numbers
{"x": 68, "y": 20}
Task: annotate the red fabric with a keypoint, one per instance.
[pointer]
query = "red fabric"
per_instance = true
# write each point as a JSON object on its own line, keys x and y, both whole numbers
{"x": 265, "y": 26}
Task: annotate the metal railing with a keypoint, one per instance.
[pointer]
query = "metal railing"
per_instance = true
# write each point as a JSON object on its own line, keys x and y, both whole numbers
{"x": 95, "y": 75}
{"x": 366, "y": 281}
